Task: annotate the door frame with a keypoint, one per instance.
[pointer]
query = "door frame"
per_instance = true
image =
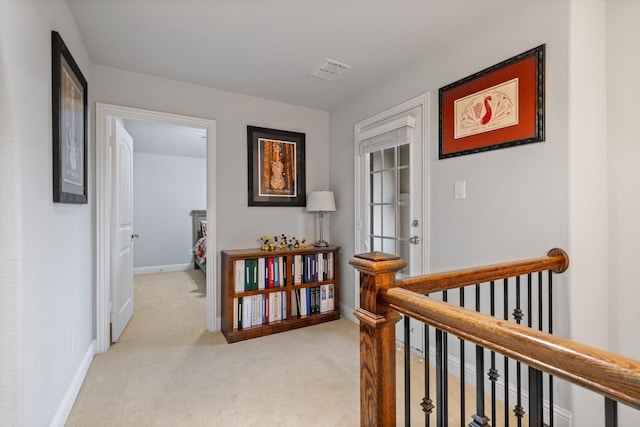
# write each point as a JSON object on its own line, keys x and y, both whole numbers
{"x": 103, "y": 214}
{"x": 419, "y": 101}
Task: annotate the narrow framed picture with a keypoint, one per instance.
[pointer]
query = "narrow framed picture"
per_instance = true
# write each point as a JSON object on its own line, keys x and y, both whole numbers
{"x": 501, "y": 106}
{"x": 69, "y": 118}
{"x": 276, "y": 167}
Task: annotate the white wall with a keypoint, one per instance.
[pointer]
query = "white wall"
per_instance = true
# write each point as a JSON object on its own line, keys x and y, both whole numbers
{"x": 588, "y": 210}
{"x": 624, "y": 177}
{"x": 51, "y": 297}
{"x": 238, "y": 226}
{"x": 165, "y": 191}
{"x": 516, "y": 197}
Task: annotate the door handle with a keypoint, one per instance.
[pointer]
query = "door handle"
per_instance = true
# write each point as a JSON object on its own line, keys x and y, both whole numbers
{"x": 414, "y": 240}
{"x": 134, "y": 236}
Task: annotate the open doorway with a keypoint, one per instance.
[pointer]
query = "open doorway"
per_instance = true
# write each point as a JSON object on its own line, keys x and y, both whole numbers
{"x": 104, "y": 213}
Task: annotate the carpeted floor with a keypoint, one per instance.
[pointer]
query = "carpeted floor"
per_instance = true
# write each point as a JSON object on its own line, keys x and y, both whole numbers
{"x": 167, "y": 370}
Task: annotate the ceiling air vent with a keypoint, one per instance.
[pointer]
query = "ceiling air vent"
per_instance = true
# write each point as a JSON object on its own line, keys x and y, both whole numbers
{"x": 330, "y": 70}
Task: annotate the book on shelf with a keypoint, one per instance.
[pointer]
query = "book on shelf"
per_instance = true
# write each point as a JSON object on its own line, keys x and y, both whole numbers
{"x": 277, "y": 272}
{"x": 247, "y": 275}
{"x": 320, "y": 263}
{"x": 297, "y": 262}
{"x": 270, "y": 273}
{"x": 239, "y": 275}
{"x": 261, "y": 275}
{"x": 236, "y": 310}
{"x": 327, "y": 298}
{"x": 323, "y": 298}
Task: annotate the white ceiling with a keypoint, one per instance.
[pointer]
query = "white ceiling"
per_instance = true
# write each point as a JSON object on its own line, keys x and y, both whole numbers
{"x": 167, "y": 139}
{"x": 267, "y": 48}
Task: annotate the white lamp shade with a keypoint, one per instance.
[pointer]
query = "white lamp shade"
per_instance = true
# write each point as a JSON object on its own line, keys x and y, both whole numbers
{"x": 321, "y": 201}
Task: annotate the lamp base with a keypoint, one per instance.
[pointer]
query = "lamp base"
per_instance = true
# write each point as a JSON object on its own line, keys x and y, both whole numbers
{"x": 321, "y": 244}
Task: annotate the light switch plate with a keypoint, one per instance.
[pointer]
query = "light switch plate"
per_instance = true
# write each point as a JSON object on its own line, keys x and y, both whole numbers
{"x": 460, "y": 191}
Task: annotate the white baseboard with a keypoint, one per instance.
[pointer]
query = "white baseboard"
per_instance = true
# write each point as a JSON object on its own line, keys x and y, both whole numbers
{"x": 561, "y": 416}
{"x": 347, "y": 313}
{"x": 162, "y": 268}
{"x": 60, "y": 418}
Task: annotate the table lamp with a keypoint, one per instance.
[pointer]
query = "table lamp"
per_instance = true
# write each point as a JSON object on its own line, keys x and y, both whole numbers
{"x": 321, "y": 202}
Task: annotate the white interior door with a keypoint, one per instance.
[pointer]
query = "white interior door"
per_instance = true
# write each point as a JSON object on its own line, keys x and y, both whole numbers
{"x": 121, "y": 145}
{"x": 390, "y": 179}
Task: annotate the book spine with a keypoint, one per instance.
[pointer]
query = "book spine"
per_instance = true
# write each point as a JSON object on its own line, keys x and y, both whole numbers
{"x": 247, "y": 275}
{"x": 323, "y": 298}
{"x": 330, "y": 297}
{"x": 239, "y": 276}
{"x": 276, "y": 272}
{"x": 260, "y": 273}
{"x": 271, "y": 273}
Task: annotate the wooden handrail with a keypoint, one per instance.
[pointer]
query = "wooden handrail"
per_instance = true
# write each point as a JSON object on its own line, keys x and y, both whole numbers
{"x": 556, "y": 260}
{"x": 382, "y": 298}
{"x": 594, "y": 369}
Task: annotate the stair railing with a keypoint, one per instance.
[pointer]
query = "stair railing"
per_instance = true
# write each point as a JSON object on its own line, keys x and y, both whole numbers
{"x": 383, "y": 299}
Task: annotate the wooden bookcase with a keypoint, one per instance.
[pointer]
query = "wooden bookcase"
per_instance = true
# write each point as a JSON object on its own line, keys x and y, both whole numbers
{"x": 289, "y": 289}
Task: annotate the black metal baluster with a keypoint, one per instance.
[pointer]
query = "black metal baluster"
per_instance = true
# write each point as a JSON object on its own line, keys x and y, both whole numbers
{"x": 427, "y": 403}
{"x": 550, "y": 308}
{"x": 540, "y": 325}
{"x": 505, "y": 313}
{"x": 462, "y": 366}
{"x": 441, "y": 416}
{"x": 493, "y": 372}
{"x": 530, "y": 308}
{"x": 536, "y": 412}
{"x": 407, "y": 372}
{"x": 479, "y": 418}
{"x": 610, "y": 412}
{"x": 518, "y": 410}
{"x": 445, "y": 368}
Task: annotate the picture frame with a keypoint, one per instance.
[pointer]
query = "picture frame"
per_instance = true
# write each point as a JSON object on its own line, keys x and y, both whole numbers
{"x": 498, "y": 107}
{"x": 276, "y": 164}
{"x": 69, "y": 119}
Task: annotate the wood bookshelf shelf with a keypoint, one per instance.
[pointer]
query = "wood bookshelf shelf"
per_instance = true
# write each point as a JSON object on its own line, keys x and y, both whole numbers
{"x": 267, "y": 292}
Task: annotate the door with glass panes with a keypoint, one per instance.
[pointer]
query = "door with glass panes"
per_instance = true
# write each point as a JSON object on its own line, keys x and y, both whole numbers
{"x": 390, "y": 192}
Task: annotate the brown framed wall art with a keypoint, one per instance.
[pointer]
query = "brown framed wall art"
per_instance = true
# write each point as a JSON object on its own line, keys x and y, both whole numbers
{"x": 69, "y": 118}
{"x": 501, "y": 106}
{"x": 276, "y": 162}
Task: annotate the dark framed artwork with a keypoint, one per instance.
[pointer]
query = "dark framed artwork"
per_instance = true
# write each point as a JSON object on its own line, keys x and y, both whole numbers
{"x": 276, "y": 167}
{"x": 501, "y": 106}
{"x": 69, "y": 108}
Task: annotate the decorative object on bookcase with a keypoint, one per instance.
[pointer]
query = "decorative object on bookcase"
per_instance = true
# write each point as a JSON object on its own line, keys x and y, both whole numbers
{"x": 271, "y": 243}
{"x": 266, "y": 292}
{"x": 321, "y": 202}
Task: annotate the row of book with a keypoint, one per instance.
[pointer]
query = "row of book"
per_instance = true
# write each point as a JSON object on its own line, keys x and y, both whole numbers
{"x": 311, "y": 268}
{"x": 260, "y": 309}
{"x": 271, "y": 272}
{"x": 313, "y": 300}
{"x": 260, "y": 273}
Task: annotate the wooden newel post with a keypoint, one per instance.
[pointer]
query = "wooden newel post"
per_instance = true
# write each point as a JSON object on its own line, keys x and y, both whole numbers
{"x": 377, "y": 338}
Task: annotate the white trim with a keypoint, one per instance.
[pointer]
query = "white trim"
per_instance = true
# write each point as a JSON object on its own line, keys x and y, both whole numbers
{"x": 103, "y": 215}
{"x": 62, "y": 414}
{"x": 419, "y": 101}
{"x": 162, "y": 268}
{"x": 402, "y": 122}
{"x": 347, "y": 313}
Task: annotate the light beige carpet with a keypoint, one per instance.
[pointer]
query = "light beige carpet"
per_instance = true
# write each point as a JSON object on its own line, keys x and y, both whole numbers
{"x": 167, "y": 370}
